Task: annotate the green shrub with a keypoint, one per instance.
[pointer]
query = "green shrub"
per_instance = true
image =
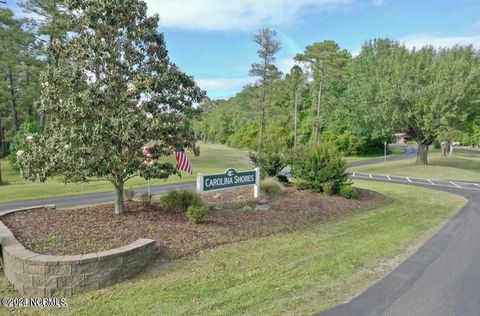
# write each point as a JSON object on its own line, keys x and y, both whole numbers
{"x": 347, "y": 143}
{"x": 271, "y": 187}
{"x": 179, "y": 201}
{"x": 319, "y": 168}
{"x": 244, "y": 138}
{"x": 347, "y": 191}
{"x": 271, "y": 159}
{"x": 196, "y": 212}
{"x": 146, "y": 198}
{"x": 128, "y": 194}
{"x": 329, "y": 187}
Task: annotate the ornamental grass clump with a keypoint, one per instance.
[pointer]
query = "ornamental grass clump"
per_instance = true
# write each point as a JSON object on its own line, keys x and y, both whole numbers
{"x": 271, "y": 187}
{"x": 146, "y": 198}
{"x": 128, "y": 194}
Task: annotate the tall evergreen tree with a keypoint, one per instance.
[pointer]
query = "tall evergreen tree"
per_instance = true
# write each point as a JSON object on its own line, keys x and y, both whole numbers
{"x": 19, "y": 71}
{"x": 48, "y": 20}
{"x": 326, "y": 62}
{"x": 266, "y": 71}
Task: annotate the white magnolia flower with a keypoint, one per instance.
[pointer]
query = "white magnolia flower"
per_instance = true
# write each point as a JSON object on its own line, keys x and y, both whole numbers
{"x": 20, "y": 153}
{"x": 29, "y": 137}
{"x": 67, "y": 146}
{"x": 130, "y": 87}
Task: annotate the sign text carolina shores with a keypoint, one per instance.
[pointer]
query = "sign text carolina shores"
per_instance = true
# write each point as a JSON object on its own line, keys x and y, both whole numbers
{"x": 231, "y": 178}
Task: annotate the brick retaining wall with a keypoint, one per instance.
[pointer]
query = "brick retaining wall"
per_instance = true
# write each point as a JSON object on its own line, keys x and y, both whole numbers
{"x": 45, "y": 275}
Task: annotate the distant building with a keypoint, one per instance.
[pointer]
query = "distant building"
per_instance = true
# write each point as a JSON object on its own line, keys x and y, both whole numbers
{"x": 402, "y": 138}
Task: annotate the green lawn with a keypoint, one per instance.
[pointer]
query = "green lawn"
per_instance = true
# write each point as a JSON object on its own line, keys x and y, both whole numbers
{"x": 393, "y": 149}
{"x": 213, "y": 158}
{"x": 462, "y": 165}
{"x": 293, "y": 273}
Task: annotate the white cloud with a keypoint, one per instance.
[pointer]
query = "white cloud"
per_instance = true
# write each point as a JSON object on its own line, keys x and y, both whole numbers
{"x": 285, "y": 64}
{"x": 423, "y": 39}
{"x": 215, "y": 15}
{"x": 222, "y": 84}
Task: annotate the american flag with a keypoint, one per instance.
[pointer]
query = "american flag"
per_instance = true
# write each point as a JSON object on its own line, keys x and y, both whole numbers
{"x": 183, "y": 163}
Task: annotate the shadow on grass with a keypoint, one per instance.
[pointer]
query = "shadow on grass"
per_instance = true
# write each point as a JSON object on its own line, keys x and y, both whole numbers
{"x": 456, "y": 162}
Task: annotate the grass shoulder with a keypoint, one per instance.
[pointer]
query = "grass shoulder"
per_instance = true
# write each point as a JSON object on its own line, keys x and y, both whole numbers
{"x": 463, "y": 165}
{"x": 297, "y": 272}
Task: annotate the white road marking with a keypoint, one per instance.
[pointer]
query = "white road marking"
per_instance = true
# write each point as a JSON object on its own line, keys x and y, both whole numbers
{"x": 455, "y": 184}
{"x": 408, "y": 180}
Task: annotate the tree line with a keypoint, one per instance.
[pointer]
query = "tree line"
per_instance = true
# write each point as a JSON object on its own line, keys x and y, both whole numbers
{"x": 431, "y": 94}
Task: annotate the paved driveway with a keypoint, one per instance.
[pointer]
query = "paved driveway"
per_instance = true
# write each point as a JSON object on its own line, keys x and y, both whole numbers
{"x": 441, "y": 278}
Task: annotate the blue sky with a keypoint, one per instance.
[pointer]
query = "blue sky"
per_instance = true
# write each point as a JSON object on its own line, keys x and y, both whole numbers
{"x": 210, "y": 39}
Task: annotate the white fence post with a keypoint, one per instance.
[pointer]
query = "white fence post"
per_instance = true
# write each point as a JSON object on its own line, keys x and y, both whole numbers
{"x": 256, "y": 187}
{"x": 200, "y": 183}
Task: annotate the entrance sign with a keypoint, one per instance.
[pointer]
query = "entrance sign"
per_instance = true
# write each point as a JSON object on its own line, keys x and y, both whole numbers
{"x": 231, "y": 178}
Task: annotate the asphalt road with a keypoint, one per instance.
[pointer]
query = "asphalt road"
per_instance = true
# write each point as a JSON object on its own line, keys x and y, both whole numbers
{"x": 85, "y": 199}
{"x": 410, "y": 151}
{"x": 95, "y": 198}
{"x": 441, "y": 278}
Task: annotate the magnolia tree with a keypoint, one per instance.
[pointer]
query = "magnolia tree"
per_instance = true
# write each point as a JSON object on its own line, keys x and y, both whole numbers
{"x": 114, "y": 91}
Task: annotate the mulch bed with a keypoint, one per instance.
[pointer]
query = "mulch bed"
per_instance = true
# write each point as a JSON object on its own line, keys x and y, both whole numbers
{"x": 231, "y": 218}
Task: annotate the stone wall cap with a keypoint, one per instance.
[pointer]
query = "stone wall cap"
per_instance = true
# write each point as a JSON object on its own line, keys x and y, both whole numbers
{"x": 89, "y": 257}
{"x": 69, "y": 259}
{"x": 23, "y": 254}
{"x": 47, "y": 260}
{"x": 31, "y": 208}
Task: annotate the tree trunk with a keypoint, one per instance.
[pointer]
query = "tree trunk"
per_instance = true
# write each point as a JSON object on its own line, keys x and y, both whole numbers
{"x": 119, "y": 202}
{"x": 319, "y": 101}
{"x": 262, "y": 118}
{"x": 16, "y": 122}
{"x": 422, "y": 154}
{"x": 295, "y": 121}
{"x": 1, "y": 180}
{"x": 2, "y": 143}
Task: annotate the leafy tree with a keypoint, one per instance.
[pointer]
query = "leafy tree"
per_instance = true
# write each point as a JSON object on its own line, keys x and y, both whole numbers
{"x": 265, "y": 70}
{"x": 421, "y": 92}
{"x": 296, "y": 83}
{"x": 48, "y": 21}
{"x": 19, "y": 71}
{"x": 113, "y": 92}
{"x": 326, "y": 62}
